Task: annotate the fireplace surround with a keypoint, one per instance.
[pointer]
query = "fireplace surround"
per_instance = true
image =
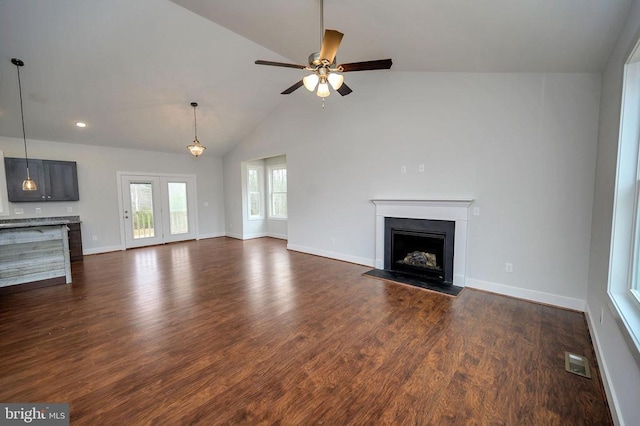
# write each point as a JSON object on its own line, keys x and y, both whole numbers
{"x": 454, "y": 211}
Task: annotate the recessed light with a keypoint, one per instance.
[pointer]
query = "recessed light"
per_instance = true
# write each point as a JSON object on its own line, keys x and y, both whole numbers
{"x": 81, "y": 124}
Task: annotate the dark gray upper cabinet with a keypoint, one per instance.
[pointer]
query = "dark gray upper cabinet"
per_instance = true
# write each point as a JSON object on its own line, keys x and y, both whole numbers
{"x": 56, "y": 180}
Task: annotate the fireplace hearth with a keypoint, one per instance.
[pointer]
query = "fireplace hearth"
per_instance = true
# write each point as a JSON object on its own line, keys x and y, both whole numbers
{"x": 419, "y": 252}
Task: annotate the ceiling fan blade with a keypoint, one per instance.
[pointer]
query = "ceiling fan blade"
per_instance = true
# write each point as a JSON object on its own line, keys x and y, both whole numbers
{"x": 330, "y": 43}
{"x": 292, "y": 88}
{"x": 380, "y": 64}
{"x": 280, "y": 64}
{"x": 344, "y": 90}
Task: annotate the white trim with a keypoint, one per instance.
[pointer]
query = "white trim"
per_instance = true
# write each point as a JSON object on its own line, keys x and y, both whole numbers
{"x": 609, "y": 389}
{"x": 212, "y": 235}
{"x": 279, "y": 236}
{"x": 435, "y": 209}
{"x": 331, "y": 255}
{"x": 619, "y": 280}
{"x": 254, "y": 235}
{"x": 526, "y": 294}
{"x": 104, "y": 249}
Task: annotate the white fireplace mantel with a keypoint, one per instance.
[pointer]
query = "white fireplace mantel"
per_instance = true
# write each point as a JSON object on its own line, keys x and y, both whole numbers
{"x": 442, "y": 209}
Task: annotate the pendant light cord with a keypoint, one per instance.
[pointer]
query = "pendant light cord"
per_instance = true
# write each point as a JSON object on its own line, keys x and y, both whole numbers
{"x": 195, "y": 123}
{"x": 24, "y": 135}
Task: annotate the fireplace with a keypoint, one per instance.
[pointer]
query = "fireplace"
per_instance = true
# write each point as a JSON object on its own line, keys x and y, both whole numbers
{"x": 421, "y": 247}
{"x": 437, "y": 210}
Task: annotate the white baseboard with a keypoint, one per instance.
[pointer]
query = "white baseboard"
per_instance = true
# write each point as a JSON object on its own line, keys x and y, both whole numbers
{"x": 254, "y": 235}
{"x": 213, "y": 235}
{"x": 531, "y": 295}
{"x": 332, "y": 255}
{"x": 279, "y": 236}
{"x": 246, "y": 236}
{"x": 612, "y": 399}
{"x": 98, "y": 250}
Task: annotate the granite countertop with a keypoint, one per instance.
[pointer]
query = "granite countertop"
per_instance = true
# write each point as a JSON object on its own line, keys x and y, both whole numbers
{"x": 38, "y": 221}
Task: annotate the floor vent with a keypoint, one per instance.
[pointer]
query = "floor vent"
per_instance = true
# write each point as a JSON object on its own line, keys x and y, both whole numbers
{"x": 577, "y": 364}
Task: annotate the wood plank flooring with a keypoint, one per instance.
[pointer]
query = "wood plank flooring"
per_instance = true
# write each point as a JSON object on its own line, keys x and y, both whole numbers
{"x": 222, "y": 331}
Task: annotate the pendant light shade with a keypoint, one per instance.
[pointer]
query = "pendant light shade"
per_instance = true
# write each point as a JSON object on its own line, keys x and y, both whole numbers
{"x": 196, "y": 148}
{"x": 28, "y": 184}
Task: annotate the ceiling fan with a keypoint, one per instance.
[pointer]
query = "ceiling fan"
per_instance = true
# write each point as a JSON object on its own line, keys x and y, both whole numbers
{"x": 323, "y": 67}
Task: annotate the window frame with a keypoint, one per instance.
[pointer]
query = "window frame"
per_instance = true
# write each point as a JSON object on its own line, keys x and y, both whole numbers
{"x": 260, "y": 193}
{"x": 270, "y": 171}
{"x": 623, "y": 281}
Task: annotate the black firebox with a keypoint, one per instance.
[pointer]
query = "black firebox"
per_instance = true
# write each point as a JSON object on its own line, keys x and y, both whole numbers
{"x": 420, "y": 247}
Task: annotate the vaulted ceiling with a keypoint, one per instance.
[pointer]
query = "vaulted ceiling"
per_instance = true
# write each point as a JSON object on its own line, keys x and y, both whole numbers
{"x": 130, "y": 68}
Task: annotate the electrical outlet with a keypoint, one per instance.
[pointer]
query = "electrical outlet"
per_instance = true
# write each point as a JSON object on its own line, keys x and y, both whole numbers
{"x": 69, "y": 209}
{"x": 38, "y": 210}
{"x": 508, "y": 267}
{"x": 476, "y": 211}
{"x": 206, "y": 204}
{"x": 19, "y": 211}
{"x": 403, "y": 169}
{"x": 421, "y": 168}
{"x": 94, "y": 238}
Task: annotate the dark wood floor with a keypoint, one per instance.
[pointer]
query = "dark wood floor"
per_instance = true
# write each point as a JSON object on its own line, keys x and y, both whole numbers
{"x": 222, "y": 331}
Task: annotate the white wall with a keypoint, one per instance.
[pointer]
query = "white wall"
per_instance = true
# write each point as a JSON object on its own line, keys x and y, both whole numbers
{"x": 522, "y": 145}
{"x": 622, "y": 372}
{"x": 98, "y": 205}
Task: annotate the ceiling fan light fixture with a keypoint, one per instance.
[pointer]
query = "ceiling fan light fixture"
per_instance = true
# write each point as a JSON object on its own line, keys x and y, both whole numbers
{"x": 323, "y": 89}
{"x": 310, "y": 82}
{"x": 335, "y": 80}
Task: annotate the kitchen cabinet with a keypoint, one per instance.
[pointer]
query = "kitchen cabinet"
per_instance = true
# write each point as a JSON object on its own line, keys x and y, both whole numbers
{"x": 34, "y": 254}
{"x": 56, "y": 180}
{"x": 75, "y": 242}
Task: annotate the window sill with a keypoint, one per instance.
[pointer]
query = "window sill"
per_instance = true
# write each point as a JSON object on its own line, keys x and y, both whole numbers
{"x": 627, "y": 315}
{"x": 278, "y": 218}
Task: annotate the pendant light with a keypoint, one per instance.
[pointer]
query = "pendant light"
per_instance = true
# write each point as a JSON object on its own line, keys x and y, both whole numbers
{"x": 196, "y": 148}
{"x": 28, "y": 184}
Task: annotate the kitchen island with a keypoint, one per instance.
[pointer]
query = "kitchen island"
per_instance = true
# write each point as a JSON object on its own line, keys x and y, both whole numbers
{"x": 34, "y": 253}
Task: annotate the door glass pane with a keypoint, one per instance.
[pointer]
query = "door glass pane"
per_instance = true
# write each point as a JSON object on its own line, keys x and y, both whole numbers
{"x": 142, "y": 210}
{"x": 178, "y": 215}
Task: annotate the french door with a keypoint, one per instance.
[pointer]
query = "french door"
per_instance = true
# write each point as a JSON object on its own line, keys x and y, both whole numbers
{"x": 157, "y": 209}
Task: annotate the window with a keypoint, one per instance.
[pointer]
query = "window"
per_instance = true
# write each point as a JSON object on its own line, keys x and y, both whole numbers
{"x": 278, "y": 192}
{"x": 254, "y": 192}
{"x": 624, "y": 271}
